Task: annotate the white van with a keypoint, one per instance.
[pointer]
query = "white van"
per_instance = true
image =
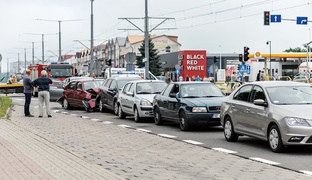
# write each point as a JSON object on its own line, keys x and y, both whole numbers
{"x": 122, "y": 71}
{"x": 305, "y": 67}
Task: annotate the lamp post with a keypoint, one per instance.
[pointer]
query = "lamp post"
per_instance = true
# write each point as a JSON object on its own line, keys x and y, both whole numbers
{"x": 60, "y": 37}
{"x": 269, "y": 43}
{"x": 91, "y": 44}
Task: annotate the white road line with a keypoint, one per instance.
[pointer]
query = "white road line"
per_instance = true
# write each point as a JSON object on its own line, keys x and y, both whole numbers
{"x": 65, "y": 112}
{"x": 167, "y": 135}
{"x": 56, "y": 111}
{"x": 124, "y": 126}
{"x": 306, "y": 172}
{"x": 264, "y": 161}
{"x": 192, "y": 142}
{"x": 96, "y": 120}
{"x": 143, "y": 130}
{"x": 224, "y": 150}
{"x": 107, "y": 122}
{"x": 74, "y": 115}
{"x": 84, "y": 117}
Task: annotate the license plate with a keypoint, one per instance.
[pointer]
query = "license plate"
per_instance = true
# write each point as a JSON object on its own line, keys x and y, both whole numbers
{"x": 215, "y": 115}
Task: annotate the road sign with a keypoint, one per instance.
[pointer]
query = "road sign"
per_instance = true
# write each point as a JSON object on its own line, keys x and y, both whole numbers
{"x": 177, "y": 71}
{"x": 248, "y": 69}
{"x": 302, "y": 20}
{"x": 177, "y": 67}
{"x": 276, "y": 18}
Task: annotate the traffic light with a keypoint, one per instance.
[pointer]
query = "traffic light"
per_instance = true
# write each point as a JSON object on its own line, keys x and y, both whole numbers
{"x": 240, "y": 57}
{"x": 246, "y": 53}
{"x": 108, "y": 62}
{"x": 215, "y": 59}
{"x": 267, "y": 18}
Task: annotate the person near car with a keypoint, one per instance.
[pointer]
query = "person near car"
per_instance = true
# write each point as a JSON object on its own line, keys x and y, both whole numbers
{"x": 28, "y": 89}
{"x": 276, "y": 75}
{"x": 233, "y": 79}
{"x": 180, "y": 78}
{"x": 262, "y": 76}
{"x": 43, "y": 84}
{"x": 258, "y": 75}
{"x": 187, "y": 78}
{"x": 94, "y": 75}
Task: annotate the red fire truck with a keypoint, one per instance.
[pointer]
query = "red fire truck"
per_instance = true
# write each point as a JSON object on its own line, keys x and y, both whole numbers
{"x": 56, "y": 71}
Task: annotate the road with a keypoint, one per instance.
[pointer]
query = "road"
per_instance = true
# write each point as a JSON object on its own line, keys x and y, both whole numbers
{"x": 295, "y": 158}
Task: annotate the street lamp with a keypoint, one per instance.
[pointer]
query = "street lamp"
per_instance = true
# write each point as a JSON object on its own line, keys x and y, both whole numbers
{"x": 269, "y": 43}
{"x": 60, "y": 37}
{"x": 91, "y": 45}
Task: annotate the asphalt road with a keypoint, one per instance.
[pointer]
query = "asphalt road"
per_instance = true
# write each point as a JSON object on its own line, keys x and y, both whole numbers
{"x": 295, "y": 158}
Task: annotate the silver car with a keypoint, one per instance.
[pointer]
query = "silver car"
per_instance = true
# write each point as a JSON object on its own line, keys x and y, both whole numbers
{"x": 274, "y": 111}
{"x": 136, "y": 98}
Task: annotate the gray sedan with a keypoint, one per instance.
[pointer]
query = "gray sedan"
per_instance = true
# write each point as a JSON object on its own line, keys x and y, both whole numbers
{"x": 274, "y": 111}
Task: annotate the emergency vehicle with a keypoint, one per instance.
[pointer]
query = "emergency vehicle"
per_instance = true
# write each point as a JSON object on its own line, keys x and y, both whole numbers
{"x": 56, "y": 71}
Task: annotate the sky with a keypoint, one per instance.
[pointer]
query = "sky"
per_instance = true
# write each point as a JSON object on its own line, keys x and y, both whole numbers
{"x": 217, "y": 26}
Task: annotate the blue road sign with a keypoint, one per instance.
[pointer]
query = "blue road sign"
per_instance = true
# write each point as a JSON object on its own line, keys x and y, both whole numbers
{"x": 248, "y": 69}
{"x": 177, "y": 71}
{"x": 243, "y": 68}
{"x": 302, "y": 20}
{"x": 276, "y": 18}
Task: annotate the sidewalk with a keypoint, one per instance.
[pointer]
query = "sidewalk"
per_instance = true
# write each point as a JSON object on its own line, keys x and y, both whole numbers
{"x": 70, "y": 147}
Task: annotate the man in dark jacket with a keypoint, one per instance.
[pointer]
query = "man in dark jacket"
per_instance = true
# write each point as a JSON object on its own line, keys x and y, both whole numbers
{"x": 43, "y": 84}
{"x": 28, "y": 92}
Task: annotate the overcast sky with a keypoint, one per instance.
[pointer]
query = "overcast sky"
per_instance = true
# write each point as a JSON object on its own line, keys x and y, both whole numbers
{"x": 217, "y": 26}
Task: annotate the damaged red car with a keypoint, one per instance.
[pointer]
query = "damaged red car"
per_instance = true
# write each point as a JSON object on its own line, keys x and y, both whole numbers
{"x": 81, "y": 94}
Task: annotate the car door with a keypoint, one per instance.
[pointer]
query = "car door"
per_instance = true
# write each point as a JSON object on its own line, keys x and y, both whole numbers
{"x": 69, "y": 92}
{"x": 162, "y": 101}
{"x": 111, "y": 92}
{"x": 256, "y": 115}
{"x": 80, "y": 94}
{"x": 173, "y": 104}
{"x": 104, "y": 91}
{"x": 123, "y": 98}
{"x": 240, "y": 105}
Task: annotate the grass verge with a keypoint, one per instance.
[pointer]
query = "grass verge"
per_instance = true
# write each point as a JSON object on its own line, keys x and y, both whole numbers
{"x": 5, "y": 104}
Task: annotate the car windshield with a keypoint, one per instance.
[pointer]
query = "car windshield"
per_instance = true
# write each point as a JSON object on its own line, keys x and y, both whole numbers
{"x": 121, "y": 83}
{"x": 289, "y": 95}
{"x": 64, "y": 73}
{"x": 92, "y": 84}
{"x": 150, "y": 87}
{"x": 200, "y": 90}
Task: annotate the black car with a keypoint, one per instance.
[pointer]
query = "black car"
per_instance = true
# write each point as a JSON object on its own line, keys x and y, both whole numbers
{"x": 107, "y": 97}
{"x": 189, "y": 103}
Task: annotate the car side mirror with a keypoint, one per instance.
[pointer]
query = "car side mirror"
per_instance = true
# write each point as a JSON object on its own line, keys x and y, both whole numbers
{"x": 172, "y": 95}
{"x": 130, "y": 93}
{"x": 260, "y": 102}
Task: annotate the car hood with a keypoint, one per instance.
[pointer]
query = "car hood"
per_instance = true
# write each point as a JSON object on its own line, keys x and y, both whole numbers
{"x": 146, "y": 96}
{"x": 302, "y": 111}
{"x": 212, "y": 101}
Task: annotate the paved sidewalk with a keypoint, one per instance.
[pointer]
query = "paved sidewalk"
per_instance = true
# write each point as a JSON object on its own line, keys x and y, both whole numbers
{"x": 70, "y": 147}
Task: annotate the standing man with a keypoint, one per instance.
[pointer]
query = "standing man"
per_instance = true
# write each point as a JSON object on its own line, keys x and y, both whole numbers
{"x": 28, "y": 93}
{"x": 43, "y": 84}
{"x": 94, "y": 75}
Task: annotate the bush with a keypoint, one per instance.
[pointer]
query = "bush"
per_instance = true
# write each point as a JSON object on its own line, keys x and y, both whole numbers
{"x": 5, "y": 104}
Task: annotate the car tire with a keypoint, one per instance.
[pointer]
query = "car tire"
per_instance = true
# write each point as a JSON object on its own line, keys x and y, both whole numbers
{"x": 228, "y": 130}
{"x": 275, "y": 140}
{"x": 66, "y": 104}
{"x": 157, "y": 117}
{"x": 101, "y": 107}
{"x": 121, "y": 114}
{"x": 116, "y": 108}
{"x": 137, "y": 117}
{"x": 184, "y": 125}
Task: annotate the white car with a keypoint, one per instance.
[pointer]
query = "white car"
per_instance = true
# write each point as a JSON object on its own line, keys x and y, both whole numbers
{"x": 136, "y": 98}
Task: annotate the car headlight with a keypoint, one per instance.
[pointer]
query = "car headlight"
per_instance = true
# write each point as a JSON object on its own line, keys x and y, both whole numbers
{"x": 145, "y": 102}
{"x": 199, "y": 109}
{"x": 293, "y": 121}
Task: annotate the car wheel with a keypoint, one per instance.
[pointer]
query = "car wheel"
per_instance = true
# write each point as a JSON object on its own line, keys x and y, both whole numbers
{"x": 157, "y": 117}
{"x": 228, "y": 129}
{"x": 116, "y": 108}
{"x": 275, "y": 140}
{"x": 88, "y": 109}
{"x": 101, "y": 108}
{"x": 184, "y": 125}
{"x": 66, "y": 104}
{"x": 121, "y": 114}
{"x": 137, "y": 117}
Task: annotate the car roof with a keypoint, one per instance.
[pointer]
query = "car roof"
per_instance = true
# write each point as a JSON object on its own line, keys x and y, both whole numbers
{"x": 88, "y": 80}
{"x": 146, "y": 80}
{"x": 125, "y": 77}
{"x": 192, "y": 82}
{"x": 278, "y": 83}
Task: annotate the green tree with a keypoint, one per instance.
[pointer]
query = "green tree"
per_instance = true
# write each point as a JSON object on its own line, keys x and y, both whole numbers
{"x": 154, "y": 64}
{"x": 297, "y": 49}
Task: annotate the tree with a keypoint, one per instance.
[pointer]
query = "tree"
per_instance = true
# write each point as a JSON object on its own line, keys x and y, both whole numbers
{"x": 298, "y": 49}
{"x": 154, "y": 64}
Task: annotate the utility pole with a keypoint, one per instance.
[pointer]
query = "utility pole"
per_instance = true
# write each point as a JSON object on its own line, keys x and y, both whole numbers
{"x": 33, "y": 50}
{"x": 60, "y": 36}
{"x": 91, "y": 44}
{"x": 146, "y": 34}
{"x": 42, "y": 41}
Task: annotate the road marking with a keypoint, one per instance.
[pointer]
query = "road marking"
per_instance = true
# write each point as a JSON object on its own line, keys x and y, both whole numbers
{"x": 143, "y": 130}
{"x": 192, "y": 142}
{"x": 124, "y": 126}
{"x": 224, "y": 150}
{"x": 264, "y": 161}
{"x": 84, "y": 117}
{"x": 56, "y": 111}
{"x": 167, "y": 135}
{"x": 96, "y": 120}
{"x": 65, "y": 112}
{"x": 306, "y": 172}
{"x": 107, "y": 122}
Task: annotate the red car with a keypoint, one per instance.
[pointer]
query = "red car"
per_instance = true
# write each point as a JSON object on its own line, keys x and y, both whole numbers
{"x": 81, "y": 93}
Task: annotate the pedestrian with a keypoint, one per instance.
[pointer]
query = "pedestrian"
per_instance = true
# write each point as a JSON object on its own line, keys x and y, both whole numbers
{"x": 276, "y": 75}
{"x": 197, "y": 78}
{"x": 43, "y": 84}
{"x": 28, "y": 89}
{"x": 187, "y": 78}
{"x": 258, "y": 75}
{"x": 94, "y": 75}
{"x": 180, "y": 78}
{"x": 167, "y": 78}
{"x": 233, "y": 79}
{"x": 262, "y": 76}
